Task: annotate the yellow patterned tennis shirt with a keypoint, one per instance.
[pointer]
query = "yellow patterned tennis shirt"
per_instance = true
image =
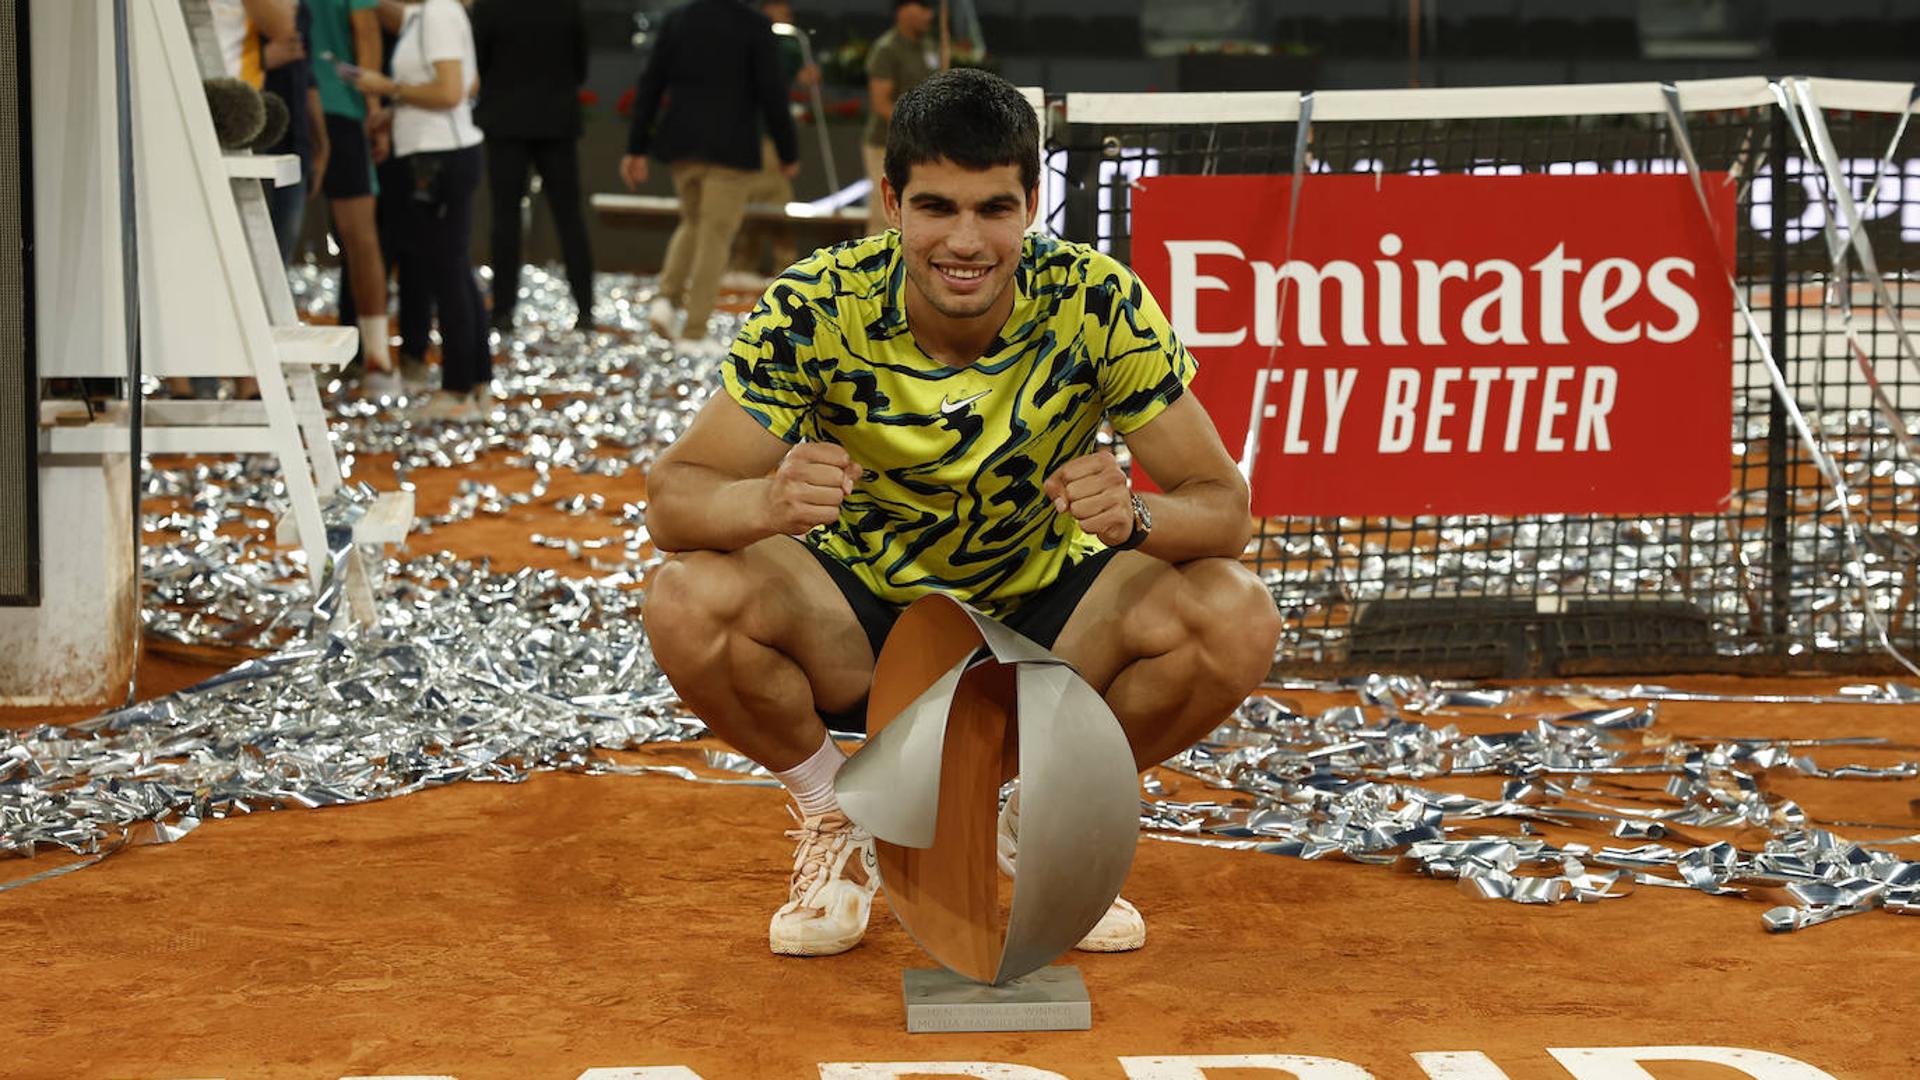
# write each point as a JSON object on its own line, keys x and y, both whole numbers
{"x": 954, "y": 458}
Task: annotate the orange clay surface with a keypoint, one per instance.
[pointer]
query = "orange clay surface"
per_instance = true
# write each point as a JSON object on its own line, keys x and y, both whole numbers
{"x": 542, "y": 929}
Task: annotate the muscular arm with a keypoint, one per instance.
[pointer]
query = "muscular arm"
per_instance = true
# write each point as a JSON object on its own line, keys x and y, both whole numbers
{"x": 710, "y": 489}
{"x": 1202, "y": 510}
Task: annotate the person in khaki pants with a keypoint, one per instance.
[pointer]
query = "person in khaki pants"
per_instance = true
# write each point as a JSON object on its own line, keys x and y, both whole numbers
{"x": 773, "y": 184}
{"x": 713, "y": 78}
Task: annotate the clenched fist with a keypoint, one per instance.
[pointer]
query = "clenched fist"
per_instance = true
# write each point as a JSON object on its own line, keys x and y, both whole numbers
{"x": 1096, "y": 493}
{"x": 808, "y": 487}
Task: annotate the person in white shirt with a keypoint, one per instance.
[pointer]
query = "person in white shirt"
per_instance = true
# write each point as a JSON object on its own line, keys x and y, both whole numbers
{"x": 243, "y": 27}
{"x": 432, "y": 87}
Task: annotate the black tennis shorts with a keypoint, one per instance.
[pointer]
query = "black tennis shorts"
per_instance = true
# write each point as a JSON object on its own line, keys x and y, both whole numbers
{"x": 349, "y": 160}
{"x": 1040, "y": 617}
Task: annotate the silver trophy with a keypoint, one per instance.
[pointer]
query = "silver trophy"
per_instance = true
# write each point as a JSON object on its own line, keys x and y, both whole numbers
{"x": 959, "y": 705}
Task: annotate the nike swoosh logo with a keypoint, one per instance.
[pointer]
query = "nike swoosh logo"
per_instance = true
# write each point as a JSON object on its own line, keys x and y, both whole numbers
{"x": 951, "y": 407}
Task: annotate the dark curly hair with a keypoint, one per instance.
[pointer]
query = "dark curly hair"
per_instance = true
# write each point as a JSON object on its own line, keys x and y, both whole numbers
{"x": 973, "y": 118}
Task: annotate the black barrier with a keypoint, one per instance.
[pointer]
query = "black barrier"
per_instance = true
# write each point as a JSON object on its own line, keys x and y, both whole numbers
{"x": 19, "y": 385}
{"x": 1772, "y": 583}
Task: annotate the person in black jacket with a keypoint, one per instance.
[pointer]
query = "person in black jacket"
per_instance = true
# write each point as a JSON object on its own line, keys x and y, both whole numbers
{"x": 716, "y": 64}
{"x": 533, "y": 60}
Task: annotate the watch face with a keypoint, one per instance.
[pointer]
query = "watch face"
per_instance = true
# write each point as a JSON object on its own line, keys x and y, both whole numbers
{"x": 1142, "y": 519}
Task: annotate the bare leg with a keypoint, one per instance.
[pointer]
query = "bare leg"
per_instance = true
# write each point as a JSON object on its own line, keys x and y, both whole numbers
{"x": 755, "y": 641}
{"x": 1173, "y": 649}
{"x": 355, "y": 221}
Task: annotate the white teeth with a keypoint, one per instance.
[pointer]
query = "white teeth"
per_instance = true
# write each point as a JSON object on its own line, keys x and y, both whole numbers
{"x": 965, "y": 275}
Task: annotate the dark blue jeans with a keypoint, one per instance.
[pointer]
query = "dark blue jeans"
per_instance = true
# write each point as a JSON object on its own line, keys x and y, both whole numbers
{"x": 436, "y": 232}
{"x": 288, "y": 208}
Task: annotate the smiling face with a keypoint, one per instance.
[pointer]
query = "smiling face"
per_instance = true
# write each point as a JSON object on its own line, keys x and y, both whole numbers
{"x": 961, "y": 232}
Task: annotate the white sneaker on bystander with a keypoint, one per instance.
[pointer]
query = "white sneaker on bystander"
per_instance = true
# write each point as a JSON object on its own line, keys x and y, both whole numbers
{"x": 665, "y": 318}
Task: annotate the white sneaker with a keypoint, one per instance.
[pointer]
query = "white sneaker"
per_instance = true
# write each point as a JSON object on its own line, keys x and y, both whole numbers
{"x": 447, "y": 405}
{"x": 382, "y": 385}
{"x": 1121, "y": 929}
{"x": 416, "y": 375}
{"x": 665, "y": 318}
{"x": 830, "y": 893}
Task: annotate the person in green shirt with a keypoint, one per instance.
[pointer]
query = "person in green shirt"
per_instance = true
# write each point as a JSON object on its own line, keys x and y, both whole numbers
{"x": 347, "y": 32}
{"x": 900, "y": 60}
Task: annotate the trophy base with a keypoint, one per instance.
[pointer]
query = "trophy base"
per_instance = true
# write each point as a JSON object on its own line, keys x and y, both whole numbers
{"x": 1051, "y": 999}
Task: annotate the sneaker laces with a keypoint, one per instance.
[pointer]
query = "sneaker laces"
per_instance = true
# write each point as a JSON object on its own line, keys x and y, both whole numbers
{"x": 822, "y": 846}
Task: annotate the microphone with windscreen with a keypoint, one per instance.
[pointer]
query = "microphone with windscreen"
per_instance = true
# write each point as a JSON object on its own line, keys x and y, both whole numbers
{"x": 238, "y": 114}
{"x": 275, "y": 128}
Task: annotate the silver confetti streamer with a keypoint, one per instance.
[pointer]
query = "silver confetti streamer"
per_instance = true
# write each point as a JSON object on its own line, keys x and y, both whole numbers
{"x": 1338, "y": 785}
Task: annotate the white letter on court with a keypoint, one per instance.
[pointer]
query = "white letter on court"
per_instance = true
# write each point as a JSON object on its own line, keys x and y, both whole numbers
{"x": 1188, "y": 283}
{"x": 1396, "y": 419}
{"x": 1194, "y": 1067}
{"x": 1458, "y": 1065}
{"x": 1686, "y": 313}
{"x": 1623, "y": 1062}
{"x": 643, "y": 1072}
{"x": 887, "y": 1070}
{"x": 1596, "y": 300}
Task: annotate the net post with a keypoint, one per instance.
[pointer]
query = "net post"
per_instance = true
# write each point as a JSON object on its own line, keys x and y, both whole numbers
{"x": 1780, "y": 445}
{"x": 1080, "y": 196}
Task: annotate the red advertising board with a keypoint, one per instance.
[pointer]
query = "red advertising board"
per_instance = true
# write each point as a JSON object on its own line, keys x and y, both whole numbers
{"x": 1455, "y": 344}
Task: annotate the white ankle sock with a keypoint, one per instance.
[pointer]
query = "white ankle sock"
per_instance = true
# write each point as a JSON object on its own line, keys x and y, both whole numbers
{"x": 811, "y": 781}
{"x": 373, "y": 342}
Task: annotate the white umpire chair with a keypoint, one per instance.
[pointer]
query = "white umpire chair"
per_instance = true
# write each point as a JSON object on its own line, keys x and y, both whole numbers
{"x": 214, "y": 298}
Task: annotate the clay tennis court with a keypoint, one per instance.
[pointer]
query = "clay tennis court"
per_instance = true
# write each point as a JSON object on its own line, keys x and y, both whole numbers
{"x": 469, "y": 830}
{"x": 576, "y": 922}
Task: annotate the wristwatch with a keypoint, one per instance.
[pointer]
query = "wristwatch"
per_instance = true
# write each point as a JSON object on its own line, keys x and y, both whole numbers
{"x": 1142, "y": 525}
